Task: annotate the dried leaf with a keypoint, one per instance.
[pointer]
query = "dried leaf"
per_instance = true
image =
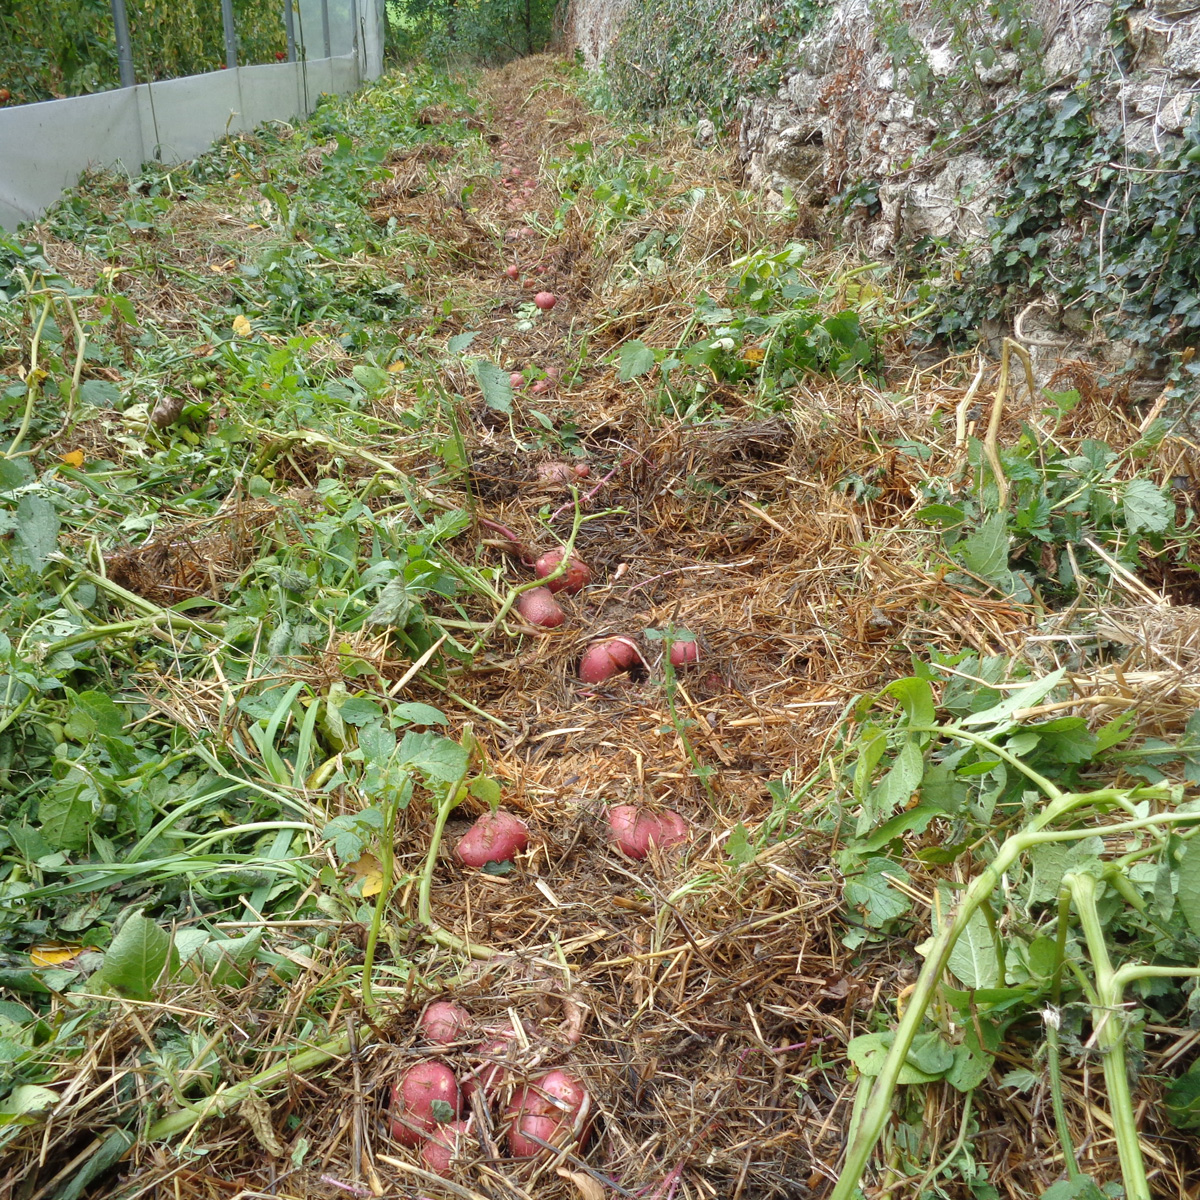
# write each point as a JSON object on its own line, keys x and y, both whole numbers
{"x": 398, "y": 366}
{"x": 368, "y": 869}
{"x": 241, "y": 326}
{"x": 50, "y": 954}
{"x": 73, "y": 458}
{"x": 589, "y": 1188}
{"x": 753, "y": 354}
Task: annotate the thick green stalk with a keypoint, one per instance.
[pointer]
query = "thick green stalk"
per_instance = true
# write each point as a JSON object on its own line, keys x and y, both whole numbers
{"x": 878, "y": 1107}
{"x": 1109, "y": 1034}
{"x": 1053, "y": 1053}
{"x": 443, "y": 937}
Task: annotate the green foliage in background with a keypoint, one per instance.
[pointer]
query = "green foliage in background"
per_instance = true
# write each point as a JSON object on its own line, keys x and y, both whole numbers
{"x": 477, "y": 31}
{"x": 68, "y": 48}
{"x": 690, "y": 58}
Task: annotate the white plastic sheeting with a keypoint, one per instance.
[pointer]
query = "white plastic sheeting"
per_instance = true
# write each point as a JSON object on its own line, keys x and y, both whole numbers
{"x": 45, "y": 147}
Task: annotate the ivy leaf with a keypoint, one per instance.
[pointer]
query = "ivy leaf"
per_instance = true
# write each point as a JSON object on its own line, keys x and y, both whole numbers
{"x": 1146, "y": 508}
{"x": 495, "y": 385}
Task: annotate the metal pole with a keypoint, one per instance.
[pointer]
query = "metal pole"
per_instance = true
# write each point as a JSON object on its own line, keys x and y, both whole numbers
{"x": 325, "y": 27}
{"x": 124, "y": 46}
{"x": 291, "y": 30}
{"x": 230, "y": 34}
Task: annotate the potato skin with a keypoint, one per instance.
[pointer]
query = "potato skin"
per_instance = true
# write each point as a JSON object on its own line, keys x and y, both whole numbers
{"x": 634, "y": 829}
{"x": 540, "y": 608}
{"x": 495, "y": 837}
{"x": 545, "y": 300}
{"x": 547, "y": 1108}
{"x": 439, "y": 1149}
{"x": 444, "y": 1022}
{"x": 413, "y": 1095}
{"x": 685, "y": 654}
{"x": 576, "y": 577}
{"x": 603, "y": 660}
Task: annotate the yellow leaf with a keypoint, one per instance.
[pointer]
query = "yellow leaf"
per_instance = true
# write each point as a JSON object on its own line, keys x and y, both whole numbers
{"x": 50, "y": 954}
{"x": 73, "y": 458}
{"x": 398, "y": 365}
{"x": 241, "y": 326}
{"x": 753, "y": 354}
{"x": 367, "y": 869}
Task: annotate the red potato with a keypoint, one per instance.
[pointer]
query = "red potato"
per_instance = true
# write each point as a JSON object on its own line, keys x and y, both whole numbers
{"x": 513, "y": 271}
{"x": 548, "y": 1108}
{"x": 443, "y": 1144}
{"x": 685, "y": 654}
{"x": 582, "y": 470}
{"x": 574, "y": 579}
{"x": 540, "y": 388}
{"x": 545, "y": 300}
{"x": 635, "y": 830}
{"x": 539, "y": 607}
{"x": 603, "y": 660}
{"x": 413, "y": 1096}
{"x": 490, "y": 1075}
{"x": 517, "y": 379}
{"x": 529, "y": 283}
{"x": 495, "y": 837}
{"x": 444, "y": 1022}
{"x": 556, "y": 472}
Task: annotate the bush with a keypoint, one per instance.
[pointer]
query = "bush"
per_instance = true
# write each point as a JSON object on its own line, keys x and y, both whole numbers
{"x": 68, "y": 47}
{"x": 478, "y": 31}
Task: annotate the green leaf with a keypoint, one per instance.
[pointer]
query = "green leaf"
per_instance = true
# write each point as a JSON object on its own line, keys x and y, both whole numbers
{"x": 973, "y": 958}
{"x": 1146, "y": 508}
{"x": 930, "y": 1054}
{"x": 371, "y": 379}
{"x": 1187, "y": 880}
{"x": 136, "y": 958}
{"x": 495, "y": 385}
{"x": 970, "y": 1068}
{"x": 376, "y": 743}
{"x": 948, "y": 516}
{"x": 1183, "y": 1101}
{"x": 441, "y": 1111}
{"x": 93, "y": 713}
{"x": 895, "y": 789}
{"x": 66, "y": 812}
{"x": 37, "y": 532}
{"x": 876, "y": 901}
{"x": 24, "y": 1102}
{"x": 868, "y": 1052}
{"x": 433, "y": 755}
{"x": 15, "y": 473}
{"x": 357, "y": 710}
{"x": 100, "y": 392}
{"x": 1020, "y": 1080}
{"x": 912, "y": 820}
{"x": 917, "y": 698}
{"x": 461, "y": 342}
{"x": 985, "y": 552}
{"x": 485, "y": 789}
{"x": 738, "y": 846}
{"x": 636, "y": 359}
{"x": 413, "y": 712}
{"x": 1000, "y": 715}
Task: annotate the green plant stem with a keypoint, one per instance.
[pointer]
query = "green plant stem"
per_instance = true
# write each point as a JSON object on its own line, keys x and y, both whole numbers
{"x": 1053, "y": 1052}
{"x": 878, "y": 1107}
{"x": 32, "y": 381}
{"x": 443, "y": 937}
{"x": 387, "y": 852}
{"x": 173, "y": 1124}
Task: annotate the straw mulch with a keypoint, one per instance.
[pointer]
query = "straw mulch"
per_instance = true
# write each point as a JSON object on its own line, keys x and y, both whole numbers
{"x": 715, "y": 1001}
